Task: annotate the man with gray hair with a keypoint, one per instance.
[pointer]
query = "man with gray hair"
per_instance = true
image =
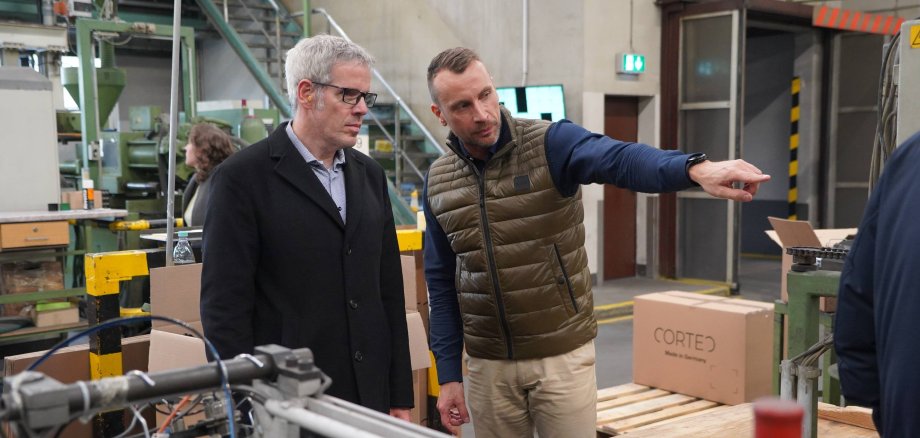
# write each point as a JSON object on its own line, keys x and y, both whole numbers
{"x": 300, "y": 245}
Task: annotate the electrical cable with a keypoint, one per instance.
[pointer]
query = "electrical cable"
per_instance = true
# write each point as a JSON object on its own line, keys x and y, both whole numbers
{"x": 112, "y": 41}
{"x": 173, "y": 414}
{"x": 222, "y": 369}
{"x": 885, "y": 136}
{"x": 137, "y": 416}
{"x": 253, "y": 393}
{"x": 188, "y": 410}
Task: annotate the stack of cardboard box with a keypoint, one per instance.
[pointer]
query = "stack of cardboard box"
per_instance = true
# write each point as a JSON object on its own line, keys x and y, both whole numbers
{"x": 174, "y": 292}
{"x": 416, "y": 296}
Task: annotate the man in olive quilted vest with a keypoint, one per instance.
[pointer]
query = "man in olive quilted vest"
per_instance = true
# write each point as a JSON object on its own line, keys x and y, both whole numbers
{"x": 505, "y": 260}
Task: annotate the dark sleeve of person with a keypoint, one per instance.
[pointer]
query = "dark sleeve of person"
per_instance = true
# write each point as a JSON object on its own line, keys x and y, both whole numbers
{"x": 577, "y": 156}
{"x": 854, "y": 328}
{"x": 394, "y": 303}
{"x": 230, "y": 254}
{"x": 445, "y": 325}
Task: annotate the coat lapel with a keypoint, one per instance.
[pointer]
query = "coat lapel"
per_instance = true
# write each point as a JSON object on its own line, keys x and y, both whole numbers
{"x": 292, "y": 167}
{"x": 355, "y": 175}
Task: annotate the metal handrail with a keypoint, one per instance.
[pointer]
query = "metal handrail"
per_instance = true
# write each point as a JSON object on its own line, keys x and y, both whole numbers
{"x": 402, "y": 104}
{"x": 392, "y": 140}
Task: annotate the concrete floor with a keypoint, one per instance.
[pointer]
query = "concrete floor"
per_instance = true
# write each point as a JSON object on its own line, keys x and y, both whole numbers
{"x": 759, "y": 280}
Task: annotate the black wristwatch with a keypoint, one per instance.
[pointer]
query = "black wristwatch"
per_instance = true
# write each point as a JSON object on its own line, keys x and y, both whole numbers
{"x": 693, "y": 160}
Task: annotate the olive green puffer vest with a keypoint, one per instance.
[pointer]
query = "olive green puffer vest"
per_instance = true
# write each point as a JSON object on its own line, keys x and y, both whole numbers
{"x": 522, "y": 272}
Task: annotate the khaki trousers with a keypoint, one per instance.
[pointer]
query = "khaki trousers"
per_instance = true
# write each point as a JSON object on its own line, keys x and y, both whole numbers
{"x": 556, "y": 395}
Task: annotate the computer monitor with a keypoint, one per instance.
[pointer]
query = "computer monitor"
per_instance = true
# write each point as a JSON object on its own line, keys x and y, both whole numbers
{"x": 545, "y": 102}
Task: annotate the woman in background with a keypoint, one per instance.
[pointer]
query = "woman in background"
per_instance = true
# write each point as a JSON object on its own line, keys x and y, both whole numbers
{"x": 207, "y": 147}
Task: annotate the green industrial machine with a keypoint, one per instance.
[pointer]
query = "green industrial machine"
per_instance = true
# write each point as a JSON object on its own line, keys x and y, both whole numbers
{"x": 128, "y": 165}
{"x": 249, "y": 124}
{"x": 815, "y": 274}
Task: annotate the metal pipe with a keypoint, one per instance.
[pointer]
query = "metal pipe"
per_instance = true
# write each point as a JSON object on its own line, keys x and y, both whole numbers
{"x": 524, "y": 41}
{"x": 397, "y": 148}
{"x": 323, "y": 426}
{"x": 98, "y": 140}
{"x": 777, "y": 349}
{"x": 135, "y": 388}
{"x": 141, "y": 224}
{"x": 306, "y": 18}
{"x": 173, "y": 129}
{"x": 278, "y": 53}
{"x": 787, "y": 380}
{"x": 385, "y": 84}
{"x": 807, "y": 397}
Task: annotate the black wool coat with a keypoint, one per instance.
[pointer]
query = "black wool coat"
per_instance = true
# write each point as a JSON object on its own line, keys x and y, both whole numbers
{"x": 280, "y": 267}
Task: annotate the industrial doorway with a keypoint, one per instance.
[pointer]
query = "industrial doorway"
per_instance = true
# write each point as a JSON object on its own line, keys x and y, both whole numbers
{"x": 709, "y": 122}
{"x": 730, "y": 98}
{"x": 621, "y": 121}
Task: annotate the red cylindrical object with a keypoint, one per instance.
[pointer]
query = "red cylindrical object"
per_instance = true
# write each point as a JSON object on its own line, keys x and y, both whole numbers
{"x": 775, "y": 418}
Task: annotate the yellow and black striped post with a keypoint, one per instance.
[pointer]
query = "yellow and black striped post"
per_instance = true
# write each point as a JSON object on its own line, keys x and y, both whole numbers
{"x": 794, "y": 148}
{"x": 104, "y": 272}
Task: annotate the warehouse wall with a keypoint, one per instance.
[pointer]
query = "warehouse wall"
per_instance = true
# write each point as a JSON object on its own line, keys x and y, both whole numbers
{"x": 223, "y": 75}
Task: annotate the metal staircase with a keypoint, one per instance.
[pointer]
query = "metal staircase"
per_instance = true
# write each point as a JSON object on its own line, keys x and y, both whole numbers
{"x": 266, "y": 29}
{"x": 261, "y": 32}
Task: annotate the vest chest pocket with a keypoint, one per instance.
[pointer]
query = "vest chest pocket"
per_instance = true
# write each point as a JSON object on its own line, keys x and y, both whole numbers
{"x": 563, "y": 283}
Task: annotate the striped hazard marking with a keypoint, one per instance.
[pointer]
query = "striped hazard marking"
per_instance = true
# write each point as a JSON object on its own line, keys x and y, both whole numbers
{"x": 845, "y": 19}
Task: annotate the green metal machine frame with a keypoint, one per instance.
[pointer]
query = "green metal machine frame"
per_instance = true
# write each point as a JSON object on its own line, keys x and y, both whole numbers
{"x": 804, "y": 321}
{"x": 89, "y": 122}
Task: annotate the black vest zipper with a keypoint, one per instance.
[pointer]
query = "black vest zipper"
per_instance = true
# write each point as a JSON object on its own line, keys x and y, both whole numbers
{"x": 490, "y": 258}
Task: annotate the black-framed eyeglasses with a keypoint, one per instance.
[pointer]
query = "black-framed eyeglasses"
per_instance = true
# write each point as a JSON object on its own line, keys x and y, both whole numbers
{"x": 351, "y": 96}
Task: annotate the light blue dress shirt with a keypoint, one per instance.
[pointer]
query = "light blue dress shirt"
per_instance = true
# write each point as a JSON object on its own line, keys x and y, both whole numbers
{"x": 333, "y": 180}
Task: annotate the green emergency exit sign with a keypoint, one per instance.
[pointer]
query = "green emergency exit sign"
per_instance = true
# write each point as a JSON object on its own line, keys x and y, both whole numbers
{"x": 630, "y": 63}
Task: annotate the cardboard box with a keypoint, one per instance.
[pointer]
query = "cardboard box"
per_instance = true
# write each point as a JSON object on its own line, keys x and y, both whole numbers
{"x": 71, "y": 364}
{"x": 716, "y": 348}
{"x": 73, "y": 198}
{"x": 418, "y": 341}
{"x": 48, "y": 318}
{"x": 425, "y": 312}
{"x": 175, "y": 291}
{"x": 788, "y": 234}
{"x": 419, "y": 414}
{"x": 409, "y": 284}
{"x": 415, "y": 287}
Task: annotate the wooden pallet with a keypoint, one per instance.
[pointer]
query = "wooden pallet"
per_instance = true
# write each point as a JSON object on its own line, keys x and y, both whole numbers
{"x": 626, "y": 407}
{"x": 644, "y": 412}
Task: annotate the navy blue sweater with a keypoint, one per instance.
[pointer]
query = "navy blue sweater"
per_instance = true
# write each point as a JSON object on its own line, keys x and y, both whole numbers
{"x": 576, "y": 156}
{"x": 877, "y": 326}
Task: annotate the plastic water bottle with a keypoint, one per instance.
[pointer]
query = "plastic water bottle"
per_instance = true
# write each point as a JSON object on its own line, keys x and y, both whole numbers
{"x": 182, "y": 253}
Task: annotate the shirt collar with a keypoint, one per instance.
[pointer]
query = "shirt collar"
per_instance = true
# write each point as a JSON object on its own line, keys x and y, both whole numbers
{"x": 337, "y": 161}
